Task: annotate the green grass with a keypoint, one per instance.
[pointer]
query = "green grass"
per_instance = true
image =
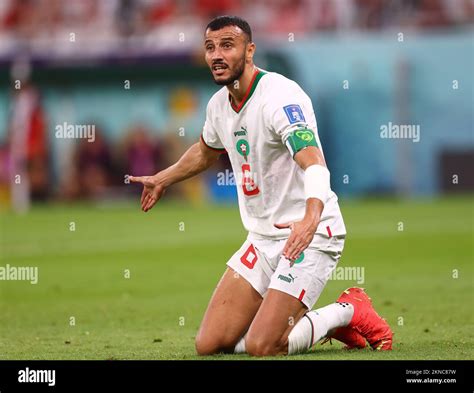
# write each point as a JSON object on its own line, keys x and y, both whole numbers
{"x": 408, "y": 274}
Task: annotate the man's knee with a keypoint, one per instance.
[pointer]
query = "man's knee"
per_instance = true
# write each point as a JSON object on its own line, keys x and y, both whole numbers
{"x": 261, "y": 345}
{"x": 206, "y": 345}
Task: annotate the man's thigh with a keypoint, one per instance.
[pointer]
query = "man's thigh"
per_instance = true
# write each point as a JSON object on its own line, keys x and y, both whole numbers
{"x": 276, "y": 317}
{"x": 293, "y": 290}
{"x": 229, "y": 314}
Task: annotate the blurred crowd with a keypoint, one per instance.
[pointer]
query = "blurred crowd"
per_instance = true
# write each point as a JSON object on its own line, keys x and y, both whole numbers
{"x": 85, "y": 168}
{"x": 102, "y": 25}
{"x": 90, "y": 170}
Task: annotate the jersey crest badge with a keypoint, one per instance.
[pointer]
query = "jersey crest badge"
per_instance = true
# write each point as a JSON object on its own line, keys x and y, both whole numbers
{"x": 243, "y": 148}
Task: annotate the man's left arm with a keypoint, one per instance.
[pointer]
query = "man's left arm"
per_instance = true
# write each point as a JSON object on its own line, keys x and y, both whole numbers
{"x": 317, "y": 187}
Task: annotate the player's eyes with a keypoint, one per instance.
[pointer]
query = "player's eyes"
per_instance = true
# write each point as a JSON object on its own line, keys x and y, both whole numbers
{"x": 209, "y": 47}
{"x": 227, "y": 45}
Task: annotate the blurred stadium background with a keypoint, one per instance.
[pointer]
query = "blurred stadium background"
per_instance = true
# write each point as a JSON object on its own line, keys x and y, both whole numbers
{"x": 134, "y": 69}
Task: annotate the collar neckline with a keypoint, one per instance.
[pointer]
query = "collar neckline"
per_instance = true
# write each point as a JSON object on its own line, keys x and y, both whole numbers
{"x": 253, "y": 84}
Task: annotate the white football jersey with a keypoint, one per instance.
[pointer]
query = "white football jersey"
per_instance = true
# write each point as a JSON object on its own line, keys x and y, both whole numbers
{"x": 255, "y": 135}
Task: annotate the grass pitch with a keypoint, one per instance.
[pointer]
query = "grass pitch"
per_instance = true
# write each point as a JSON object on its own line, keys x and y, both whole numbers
{"x": 85, "y": 307}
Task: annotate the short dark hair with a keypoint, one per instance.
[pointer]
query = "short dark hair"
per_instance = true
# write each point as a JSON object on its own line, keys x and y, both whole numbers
{"x": 227, "y": 20}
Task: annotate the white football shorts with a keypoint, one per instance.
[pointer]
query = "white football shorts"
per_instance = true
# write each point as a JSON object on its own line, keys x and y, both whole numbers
{"x": 261, "y": 263}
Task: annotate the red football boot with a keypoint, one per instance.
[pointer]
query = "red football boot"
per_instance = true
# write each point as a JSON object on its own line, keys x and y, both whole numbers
{"x": 366, "y": 321}
{"x": 348, "y": 336}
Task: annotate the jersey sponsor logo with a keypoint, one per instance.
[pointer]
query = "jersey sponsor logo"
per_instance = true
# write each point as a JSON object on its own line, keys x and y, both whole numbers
{"x": 289, "y": 279}
{"x": 294, "y": 114}
{"x": 249, "y": 258}
{"x": 241, "y": 132}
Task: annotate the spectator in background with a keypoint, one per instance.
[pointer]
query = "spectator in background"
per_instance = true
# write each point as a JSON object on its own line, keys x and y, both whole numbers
{"x": 130, "y": 15}
{"x": 289, "y": 16}
{"x": 5, "y": 175}
{"x": 370, "y": 14}
{"x": 38, "y": 153}
{"x": 28, "y": 140}
{"x": 161, "y": 11}
{"x": 325, "y": 15}
{"x": 210, "y": 8}
{"x": 93, "y": 163}
{"x": 432, "y": 13}
{"x": 139, "y": 152}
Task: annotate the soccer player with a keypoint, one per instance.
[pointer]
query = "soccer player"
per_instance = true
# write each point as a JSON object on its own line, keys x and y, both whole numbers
{"x": 266, "y": 124}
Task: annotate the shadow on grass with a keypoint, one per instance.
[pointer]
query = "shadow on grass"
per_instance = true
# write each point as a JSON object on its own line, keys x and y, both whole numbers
{"x": 316, "y": 354}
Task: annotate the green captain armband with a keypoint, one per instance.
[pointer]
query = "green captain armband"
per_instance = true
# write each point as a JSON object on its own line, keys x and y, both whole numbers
{"x": 299, "y": 139}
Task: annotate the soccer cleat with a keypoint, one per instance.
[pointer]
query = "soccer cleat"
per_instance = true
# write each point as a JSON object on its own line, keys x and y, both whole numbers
{"x": 348, "y": 336}
{"x": 366, "y": 321}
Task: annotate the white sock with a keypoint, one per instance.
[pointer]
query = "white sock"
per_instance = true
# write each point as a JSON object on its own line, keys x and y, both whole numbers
{"x": 240, "y": 347}
{"x": 316, "y": 324}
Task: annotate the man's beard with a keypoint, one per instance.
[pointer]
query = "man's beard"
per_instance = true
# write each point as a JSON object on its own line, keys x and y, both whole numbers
{"x": 239, "y": 70}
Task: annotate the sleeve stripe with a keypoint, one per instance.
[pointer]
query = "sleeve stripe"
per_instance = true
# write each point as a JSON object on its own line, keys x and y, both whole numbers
{"x": 213, "y": 148}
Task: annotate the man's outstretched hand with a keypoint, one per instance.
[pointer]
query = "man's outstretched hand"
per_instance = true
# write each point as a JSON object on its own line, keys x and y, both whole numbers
{"x": 152, "y": 190}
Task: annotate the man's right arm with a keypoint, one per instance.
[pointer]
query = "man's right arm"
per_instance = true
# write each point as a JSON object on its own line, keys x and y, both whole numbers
{"x": 196, "y": 159}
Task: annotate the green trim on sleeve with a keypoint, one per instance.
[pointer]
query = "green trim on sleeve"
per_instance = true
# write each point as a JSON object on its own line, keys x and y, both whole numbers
{"x": 218, "y": 149}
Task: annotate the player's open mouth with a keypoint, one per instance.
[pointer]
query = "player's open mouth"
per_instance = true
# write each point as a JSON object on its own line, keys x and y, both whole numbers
{"x": 219, "y": 69}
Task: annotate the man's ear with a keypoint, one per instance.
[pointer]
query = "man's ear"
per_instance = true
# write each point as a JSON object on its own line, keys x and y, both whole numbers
{"x": 250, "y": 51}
